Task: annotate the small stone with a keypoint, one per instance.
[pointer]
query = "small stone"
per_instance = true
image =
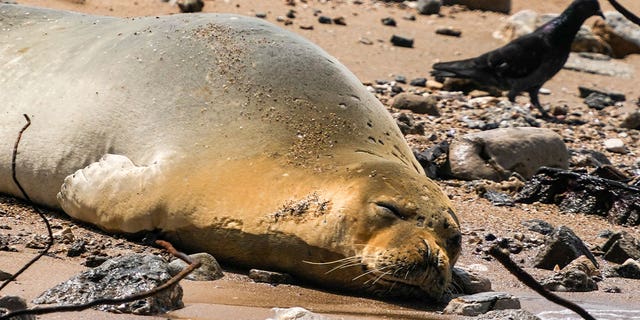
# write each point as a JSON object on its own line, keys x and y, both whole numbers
{"x": 615, "y": 145}
{"x": 620, "y": 247}
{"x": 261, "y": 15}
{"x": 306, "y": 27}
{"x": 429, "y": 6}
{"x": 419, "y": 82}
{"x": 291, "y": 14}
{"x": 409, "y": 17}
{"x": 435, "y": 85}
{"x": 401, "y": 41}
{"x": 388, "y": 21}
{"x": 269, "y": 277}
{"x": 4, "y": 275}
{"x": 598, "y": 101}
{"x": 498, "y": 199}
{"x": 209, "y": 269}
{"x": 295, "y": 313}
{"x": 630, "y": 269}
{"x": 539, "y": 226}
{"x": 324, "y": 20}
{"x": 366, "y": 41}
{"x": 613, "y": 289}
{"x": 417, "y": 104}
{"x": 401, "y": 79}
{"x": 480, "y": 303}
{"x": 631, "y": 120}
{"x": 449, "y": 31}
{"x": 341, "y": 21}
{"x": 508, "y": 315}
{"x": 470, "y": 282}
{"x": 615, "y": 96}
{"x": 561, "y": 247}
{"x": 544, "y": 91}
{"x": 190, "y": 5}
{"x": 93, "y": 261}
{"x": 76, "y": 249}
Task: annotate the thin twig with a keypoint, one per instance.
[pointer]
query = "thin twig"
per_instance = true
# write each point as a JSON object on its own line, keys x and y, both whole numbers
{"x": 26, "y": 196}
{"x": 626, "y": 13}
{"x": 530, "y": 282}
{"x": 193, "y": 264}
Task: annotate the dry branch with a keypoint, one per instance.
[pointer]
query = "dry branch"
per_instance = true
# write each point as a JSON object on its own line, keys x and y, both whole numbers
{"x": 530, "y": 282}
{"x": 626, "y": 13}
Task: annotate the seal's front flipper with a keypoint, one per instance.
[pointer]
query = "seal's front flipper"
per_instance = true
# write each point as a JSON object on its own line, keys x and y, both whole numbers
{"x": 114, "y": 194}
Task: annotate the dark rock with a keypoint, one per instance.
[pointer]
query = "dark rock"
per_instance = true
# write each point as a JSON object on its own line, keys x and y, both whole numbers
{"x": 630, "y": 269}
{"x": 615, "y": 96}
{"x": 306, "y": 27}
{"x": 576, "y": 192}
{"x": 588, "y": 158}
{"x": 429, "y": 6}
{"x": 498, "y": 199}
{"x": 270, "y": 277}
{"x": 490, "y": 237}
{"x": 417, "y": 104}
{"x": 560, "y": 248}
{"x": 14, "y": 303}
{"x": 4, "y": 275}
{"x": 400, "y": 41}
{"x": 620, "y": 247}
{"x": 508, "y": 315}
{"x": 539, "y": 226}
{"x": 409, "y": 17}
{"x": 435, "y": 160}
{"x": 598, "y": 101}
{"x": 341, "y": 21}
{"x": 388, "y": 21}
{"x": 291, "y": 14}
{"x": 76, "y": 249}
{"x": 480, "y": 303}
{"x": 613, "y": 289}
{"x": 408, "y": 125}
{"x": 448, "y": 31}
{"x": 93, "y": 261}
{"x": 631, "y": 121}
{"x": 401, "y": 79}
{"x": 190, "y": 5}
{"x": 468, "y": 282}
{"x": 503, "y": 6}
{"x": 208, "y": 271}
{"x": 324, "y": 20}
{"x": 419, "y": 82}
{"x": 117, "y": 278}
{"x": 261, "y": 15}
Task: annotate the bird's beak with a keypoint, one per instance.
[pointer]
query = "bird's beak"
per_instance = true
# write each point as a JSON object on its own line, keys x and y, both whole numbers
{"x": 601, "y": 15}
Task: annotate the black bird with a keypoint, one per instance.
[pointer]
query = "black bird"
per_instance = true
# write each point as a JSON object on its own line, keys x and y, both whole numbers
{"x": 527, "y": 62}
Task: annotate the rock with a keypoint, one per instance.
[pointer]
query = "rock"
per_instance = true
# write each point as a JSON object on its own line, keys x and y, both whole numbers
{"x": 295, "y": 313}
{"x": 539, "y": 226}
{"x": 388, "y": 21}
{"x": 620, "y": 247}
{"x": 429, "y": 6}
{"x": 209, "y": 270}
{"x": 14, "y": 303}
{"x": 116, "y": 278}
{"x": 269, "y": 277}
{"x": 190, "y": 5}
{"x": 615, "y": 96}
{"x": 76, "y": 249}
{"x": 588, "y": 158}
{"x": 468, "y": 282}
{"x": 631, "y": 120}
{"x": 578, "y": 276}
{"x": 400, "y": 41}
{"x": 417, "y": 103}
{"x": 598, "y": 101}
{"x": 630, "y": 269}
{"x": 497, "y": 154}
{"x": 576, "y": 192}
{"x": 407, "y": 124}
{"x": 560, "y": 248}
{"x": 401, "y": 79}
{"x": 584, "y": 62}
{"x": 480, "y": 303}
{"x": 366, "y": 41}
{"x": 621, "y": 34}
{"x": 306, "y": 27}
{"x": 449, "y": 31}
{"x": 418, "y": 82}
{"x": 508, "y": 315}
{"x": 93, "y": 261}
{"x": 615, "y": 145}
{"x": 324, "y": 20}
{"x": 498, "y": 199}
{"x": 261, "y": 15}
{"x": 503, "y": 6}
{"x": 341, "y": 21}
{"x": 434, "y": 160}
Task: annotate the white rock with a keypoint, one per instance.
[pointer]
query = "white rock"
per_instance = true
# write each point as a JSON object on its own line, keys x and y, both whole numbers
{"x": 295, "y": 313}
{"x": 615, "y": 145}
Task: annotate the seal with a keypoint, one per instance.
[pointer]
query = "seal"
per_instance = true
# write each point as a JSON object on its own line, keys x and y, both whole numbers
{"x": 229, "y": 135}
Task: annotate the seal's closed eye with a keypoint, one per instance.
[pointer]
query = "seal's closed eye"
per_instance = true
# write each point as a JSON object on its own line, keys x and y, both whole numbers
{"x": 391, "y": 210}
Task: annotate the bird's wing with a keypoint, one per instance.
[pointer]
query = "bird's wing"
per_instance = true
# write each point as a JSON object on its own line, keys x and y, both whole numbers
{"x": 519, "y": 58}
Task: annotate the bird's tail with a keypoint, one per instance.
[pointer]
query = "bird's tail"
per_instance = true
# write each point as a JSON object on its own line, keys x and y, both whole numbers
{"x": 454, "y": 69}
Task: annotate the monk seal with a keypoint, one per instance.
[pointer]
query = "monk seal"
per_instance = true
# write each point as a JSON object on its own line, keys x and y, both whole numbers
{"x": 228, "y": 134}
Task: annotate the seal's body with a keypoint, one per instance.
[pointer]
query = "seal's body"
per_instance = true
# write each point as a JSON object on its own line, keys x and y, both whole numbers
{"x": 228, "y": 134}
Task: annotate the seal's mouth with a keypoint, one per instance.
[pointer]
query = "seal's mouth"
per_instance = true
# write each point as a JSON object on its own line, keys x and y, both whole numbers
{"x": 384, "y": 284}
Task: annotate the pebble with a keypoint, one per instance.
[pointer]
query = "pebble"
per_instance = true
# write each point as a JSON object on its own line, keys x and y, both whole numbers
{"x": 449, "y": 31}
{"x": 429, "y": 6}
{"x": 480, "y": 303}
{"x": 190, "y": 5}
{"x": 366, "y": 41}
{"x": 324, "y": 20}
{"x": 341, "y": 21}
{"x": 4, "y": 275}
{"x": 261, "y": 15}
{"x": 269, "y": 277}
{"x": 401, "y": 41}
{"x": 291, "y": 14}
{"x": 295, "y": 313}
{"x": 209, "y": 269}
{"x": 388, "y": 21}
{"x": 419, "y": 82}
{"x": 615, "y": 145}
{"x": 306, "y": 27}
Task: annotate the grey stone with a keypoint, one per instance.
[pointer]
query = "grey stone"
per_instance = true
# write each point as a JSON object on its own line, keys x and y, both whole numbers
{"x": 429, "y": 6}
{"x": 620, "y": 247}
{"x": 481, "y": 303}
{"x": 295, "y": 313}
{"x": 417, "y": 104}
{"x": 4, "y": 275}
{"x": 407, "y": 124}
{"x": 631, "y": 120}
{"x": 586, "y": 63}
{"x": 539, "y": 226}
{"x": 14, "y": 303}
{"x": 209, "y": 270}
{"x": 469, "y": 282}
{"x": 116, "y": 278}
{"x": 560, "y": 248}
{"x": 400, "y": 41}
{"x": 621, "y": 34}
{"x": 419, "y": 82}
{"x": 588, "y": 158}
{"x": 615, "y": 96}
{"x": 498, "y": 199}
{"x": 629, "y": 269}
{"x": 598, "y": 101}
{"x": 497, "y": 154}
{"x": 269, "y": 277}
{"x": 190, "y": 5}
{"x": 615, "y": 145}
{"x": 503, "y": 6}
{"x": 508, "y": 315}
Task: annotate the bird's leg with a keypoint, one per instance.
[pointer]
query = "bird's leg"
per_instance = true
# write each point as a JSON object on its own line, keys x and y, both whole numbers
{"x": 512, "y": 96}
{"x": 533, "y": 97}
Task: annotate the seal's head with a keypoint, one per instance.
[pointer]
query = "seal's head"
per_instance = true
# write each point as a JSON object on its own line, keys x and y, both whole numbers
{"x": 399, "y": 235}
